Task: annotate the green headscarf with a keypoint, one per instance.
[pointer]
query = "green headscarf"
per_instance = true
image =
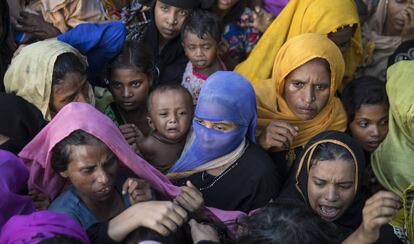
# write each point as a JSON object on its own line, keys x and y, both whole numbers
{"x": 393, "y": 161}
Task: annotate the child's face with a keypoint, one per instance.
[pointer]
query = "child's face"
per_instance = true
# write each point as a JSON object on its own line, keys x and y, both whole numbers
{"x": 201, "y": 52}
{"x": 169, "y": 19}
{"x": 226, "y": 4}
{"x": 171, "y": 113}
{"x": 370, "y": 125}
{"x": 129, "y": 88}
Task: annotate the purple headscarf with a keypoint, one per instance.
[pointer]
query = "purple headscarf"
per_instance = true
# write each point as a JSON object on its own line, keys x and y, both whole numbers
{"x": 225, "y": 96}
{"x": 40, "y": 226}
{"x": 13, "y": 178}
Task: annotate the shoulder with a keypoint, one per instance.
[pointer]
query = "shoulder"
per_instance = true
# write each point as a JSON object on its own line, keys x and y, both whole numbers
{"x": 259, "y": 163}
{"x": 70, "y": 204}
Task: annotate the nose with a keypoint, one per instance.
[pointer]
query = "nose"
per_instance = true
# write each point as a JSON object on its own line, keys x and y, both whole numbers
{"x": 309, "y": 95}
{"x": 171, "y": 19}
{"x": 82, "y": 98}
{"x": 331, "y": 194}
{"x": 126, "y": 92}
{"x": 173, "y": 119}
{"x": 199, "y": 52}
{"x": 102, "y": 177}
{"x": 374, "y": 131}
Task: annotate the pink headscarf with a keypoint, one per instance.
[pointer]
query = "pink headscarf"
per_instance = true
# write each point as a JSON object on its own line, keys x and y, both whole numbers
{"x": 40, "y": 226}
{"x": 81, "y": 116}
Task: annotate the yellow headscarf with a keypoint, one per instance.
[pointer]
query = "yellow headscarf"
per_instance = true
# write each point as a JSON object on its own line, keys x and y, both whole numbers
{"x": 392, "y": 162}
{"x": 30, "y": 72}
{"x": 269, "y": 93}
{"x": 299, "y": 17}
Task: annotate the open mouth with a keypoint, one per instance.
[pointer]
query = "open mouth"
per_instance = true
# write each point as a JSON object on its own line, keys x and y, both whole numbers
{"x": 328, "y": 212}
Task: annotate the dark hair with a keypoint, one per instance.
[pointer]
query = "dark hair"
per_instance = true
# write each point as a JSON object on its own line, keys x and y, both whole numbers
{"x": 133, "y": 55}
{"x": 6, "y": 52}
{"x": 286, "y": 223}
{"x": 364, "y": 90}
{"x": 168, "y": 87}
{"x": 331, "y": 151}
{"x": 61, "y": 151}
{"x": 66, "y": 63}
{"x": 61, "y": 239}
{"x": 203, "y": 23}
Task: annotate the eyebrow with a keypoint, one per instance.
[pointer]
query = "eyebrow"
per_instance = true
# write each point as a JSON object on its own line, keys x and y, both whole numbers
{"x": 337, "y": 183}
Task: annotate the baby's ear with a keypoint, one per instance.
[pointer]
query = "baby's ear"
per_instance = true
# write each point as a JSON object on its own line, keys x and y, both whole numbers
{"x": 150, "y": 122}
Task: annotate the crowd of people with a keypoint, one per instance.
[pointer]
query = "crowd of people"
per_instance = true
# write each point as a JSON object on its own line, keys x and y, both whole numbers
{"x": 206, "y": 121}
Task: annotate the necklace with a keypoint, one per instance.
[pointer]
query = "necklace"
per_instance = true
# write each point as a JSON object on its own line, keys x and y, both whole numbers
{"x": 217, "y": 178}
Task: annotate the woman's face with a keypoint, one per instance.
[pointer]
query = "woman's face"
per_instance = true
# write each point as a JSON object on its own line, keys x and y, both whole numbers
{"x": 396, "y": 16}
{"x": 226, "y": 5}
{"x": 370, "y": 125}
{"x": 92, "y": 171}
{"x": 169, "y": 19}
{"x": 72, "y": 88}
{"x": 130, "y": 88}
{"x": 331, "y": 187}
{"x": 307, "y": 89}
{"x": 342, "y": 38}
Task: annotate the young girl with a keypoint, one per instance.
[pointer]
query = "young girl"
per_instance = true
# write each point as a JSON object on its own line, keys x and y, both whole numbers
{"x": 201, "y": 36}
{"x": 366, "y": 104}
{"x": 129, "y": 77}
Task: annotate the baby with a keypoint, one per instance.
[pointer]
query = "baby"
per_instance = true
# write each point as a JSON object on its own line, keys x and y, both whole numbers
{"x": 170, "y": 110}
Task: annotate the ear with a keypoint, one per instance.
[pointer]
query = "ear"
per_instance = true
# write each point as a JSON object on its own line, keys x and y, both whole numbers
{"x": 64, "y": 174}
{"x": 150, "y": 123}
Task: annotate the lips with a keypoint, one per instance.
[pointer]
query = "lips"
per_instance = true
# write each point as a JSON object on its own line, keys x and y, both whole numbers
{"x": 104, "y": 191}
{"x": 372, "y": 145}
{"x": 200, "y": 63}
{"x": 328, "y": 212}
{"x": 168, "y": 32}
{"x": 308, "y": 111}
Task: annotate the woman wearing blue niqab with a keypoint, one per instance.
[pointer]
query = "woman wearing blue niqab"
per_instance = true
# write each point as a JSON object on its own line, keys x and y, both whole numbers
{"x": 222, "y": 150}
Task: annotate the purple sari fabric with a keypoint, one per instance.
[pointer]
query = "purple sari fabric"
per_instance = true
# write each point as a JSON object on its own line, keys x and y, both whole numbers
{"x": 40, "y": 226}
{"x": 13, "y": 178}
{"x": 274, "y": 6}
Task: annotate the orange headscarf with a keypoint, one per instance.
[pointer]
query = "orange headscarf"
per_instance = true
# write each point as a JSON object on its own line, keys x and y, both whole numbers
{"x": 269, "y": 93}
{"x": 299, "y": 17}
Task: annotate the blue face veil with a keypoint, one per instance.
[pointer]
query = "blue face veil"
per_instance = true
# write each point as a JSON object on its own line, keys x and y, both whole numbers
{"x": 225, "y": 96}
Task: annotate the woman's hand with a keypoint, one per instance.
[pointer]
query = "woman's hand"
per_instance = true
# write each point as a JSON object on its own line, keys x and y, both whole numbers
{"x": 40, "y": 201}
{"x": 278, "y": 136}
{"x": 200, "y": 232}
{"x": 190, "y": 198}
{"x": 260, "y": 20}
{"x": 132, "y": 135}
{"x": 138, "y": 190}
{"x": 378, "y": 210}
{"x": 35, "y": 27}
{"x": 161, "y": 216}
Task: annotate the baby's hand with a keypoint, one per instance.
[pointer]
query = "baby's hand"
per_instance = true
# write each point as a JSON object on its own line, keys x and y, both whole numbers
{"x": 138, "y": 190}
{"x": 40, "y": 201}
{"x": 131, "y": 134}
{"x": 190, "y": 198}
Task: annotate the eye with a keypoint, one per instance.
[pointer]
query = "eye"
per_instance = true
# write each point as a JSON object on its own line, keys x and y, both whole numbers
{"x": 88, "y": 170}
{"x": 191, "y": 47}
{"x": 384, "y": 122}
{"x": 163, "y": 114}
{"x": 182, "y": 113}
{"x": 136, "y": 83}
{"x": 206, "y": 47}
{"x": 321, "y": 87}
{"x": 116, "y": 85}
{"x": 363, "y": 124}
{"x": 70, "y": 99}
{"x": 164, "y": 8}
{"x": 346, "y": 185}
{"x": 219, "y": 128}
{"x": 298, "y": 84}
{"x": 318, "y": 182}
{"x": 183, "y": 12}
{"x": 111, "y": 162}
